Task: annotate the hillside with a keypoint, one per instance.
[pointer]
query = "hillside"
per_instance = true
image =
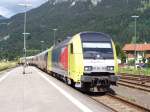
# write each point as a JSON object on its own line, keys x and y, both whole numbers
{"x": 2, "y": 18}
{"x": 73, "y": 16}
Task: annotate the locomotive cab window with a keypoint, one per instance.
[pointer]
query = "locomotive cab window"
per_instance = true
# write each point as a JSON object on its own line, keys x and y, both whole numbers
{"x": 97, "y": 50}
{"x": 71, "y": 48}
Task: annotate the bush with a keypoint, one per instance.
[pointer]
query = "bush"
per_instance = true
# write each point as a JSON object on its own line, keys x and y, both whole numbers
{"x": 148, "y": 64}
{"x": 131, "y": 62}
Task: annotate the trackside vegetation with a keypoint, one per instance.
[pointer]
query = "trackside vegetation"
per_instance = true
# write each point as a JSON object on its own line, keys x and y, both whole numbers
{"x": 110, "y": 16}
{"x": 138, "y": 71}
{"x": 7, "y": 65}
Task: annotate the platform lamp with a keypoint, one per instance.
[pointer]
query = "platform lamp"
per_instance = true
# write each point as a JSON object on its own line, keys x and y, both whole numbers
{"x": 135, "y": 35}
{"x": 25, "y": 33}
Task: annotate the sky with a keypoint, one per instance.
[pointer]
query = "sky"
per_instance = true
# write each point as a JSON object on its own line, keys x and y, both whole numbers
{"x": 9, "y": 8}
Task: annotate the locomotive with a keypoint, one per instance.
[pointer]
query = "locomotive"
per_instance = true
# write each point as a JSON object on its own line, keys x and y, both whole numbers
{"x": 86, "y": 61}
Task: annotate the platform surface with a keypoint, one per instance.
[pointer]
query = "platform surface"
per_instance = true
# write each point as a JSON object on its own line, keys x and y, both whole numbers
{"x": 38, "y": 92}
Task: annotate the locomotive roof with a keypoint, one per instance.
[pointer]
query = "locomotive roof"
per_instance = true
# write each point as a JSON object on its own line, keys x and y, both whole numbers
{"x": 98, "y": 36}
{"x": 65, "y": 42}
{"x": 85, "y": 37}
{"x": 88, "y": 36}
{"x": 43, "y": 52}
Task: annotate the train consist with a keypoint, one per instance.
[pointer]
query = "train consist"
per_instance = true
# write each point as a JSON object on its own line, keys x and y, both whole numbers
{"x": 87, "y": 61}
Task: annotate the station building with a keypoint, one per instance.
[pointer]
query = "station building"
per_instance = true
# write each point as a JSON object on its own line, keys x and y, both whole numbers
{"x": 137, "y": 51}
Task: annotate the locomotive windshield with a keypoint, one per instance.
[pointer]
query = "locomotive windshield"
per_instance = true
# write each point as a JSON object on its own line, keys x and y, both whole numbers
{"x": 97, "y": 50}
{"x": 96, "y": 45}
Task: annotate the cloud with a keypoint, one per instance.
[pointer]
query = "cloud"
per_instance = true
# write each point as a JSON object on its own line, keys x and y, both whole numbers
{"x": 10, "y": 7}
{"x": 5, "y": 12}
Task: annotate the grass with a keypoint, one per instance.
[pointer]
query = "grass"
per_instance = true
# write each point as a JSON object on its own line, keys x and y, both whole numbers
{"x": 131, "y": 70}
{"x": 7, "y": 65}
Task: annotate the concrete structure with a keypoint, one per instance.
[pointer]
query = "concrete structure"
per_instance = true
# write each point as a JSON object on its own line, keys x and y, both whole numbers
{"x": 36, "y": 91}
{"x": 137, "y": 51}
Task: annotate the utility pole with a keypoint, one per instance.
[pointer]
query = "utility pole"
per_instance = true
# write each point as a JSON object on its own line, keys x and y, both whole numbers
{"x": 55, "y": 30}
{"x": 25, "y": 33}
{"x": 135, "y": 35}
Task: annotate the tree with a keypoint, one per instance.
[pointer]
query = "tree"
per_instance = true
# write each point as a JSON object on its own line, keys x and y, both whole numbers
{"x": 120, "y": 53}
{"x": 144, "y": 59}
{"x": 131, "y": 62}
{"x": 148, "y": 62}
{"x": 123, "y": 57}
{"x": 118, "y": 49}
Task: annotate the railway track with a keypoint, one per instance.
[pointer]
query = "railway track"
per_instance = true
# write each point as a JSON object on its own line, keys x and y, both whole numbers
{"x": 138, "y": 86}
{"x": 141, "y": 78}
{"x": 119, "y": 104}
{"x": 136, "y": 82}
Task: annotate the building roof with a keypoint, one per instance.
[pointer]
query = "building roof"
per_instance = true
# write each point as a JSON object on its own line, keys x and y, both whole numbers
{"x": 137, "y": 47}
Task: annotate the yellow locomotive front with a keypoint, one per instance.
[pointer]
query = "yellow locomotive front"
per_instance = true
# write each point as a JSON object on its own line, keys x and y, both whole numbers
{"x": 94, "y": 62}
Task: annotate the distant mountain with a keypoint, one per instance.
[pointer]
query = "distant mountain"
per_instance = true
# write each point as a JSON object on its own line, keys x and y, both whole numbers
{"x": 73, "y": 16}
{"x": 73, "y": 2}
{"x": 2, "y": 18}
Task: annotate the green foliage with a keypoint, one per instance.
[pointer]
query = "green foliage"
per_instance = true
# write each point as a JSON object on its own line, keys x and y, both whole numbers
{"x": 118, "y": 49}
{"x": 144, "y": 60}
{"x": 6, "y": 65}
{"x": 135, "y": 39}
{"x": 110, "y": 16}
{"x": 148, "y": 62}
{"x": 134, "y": 71}
{"x": 123, "y": 57}
{"x": 131, "y": 62}
{"x": 120, "y": 53}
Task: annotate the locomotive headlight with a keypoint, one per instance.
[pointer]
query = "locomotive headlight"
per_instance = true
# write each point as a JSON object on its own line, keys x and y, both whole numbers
{"x": 88, "y": 68}
{"x": 110, "y": 68}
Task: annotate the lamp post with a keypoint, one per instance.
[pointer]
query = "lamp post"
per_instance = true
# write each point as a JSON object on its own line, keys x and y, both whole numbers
{"x": 25, "y": 22}
{"x": 135, "y": 35}
{"x": 45, "y": 27}
{"x": 55, "y": 30}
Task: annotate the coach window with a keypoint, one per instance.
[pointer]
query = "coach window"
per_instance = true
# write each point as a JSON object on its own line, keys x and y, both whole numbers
{"x": 71, "y": 48}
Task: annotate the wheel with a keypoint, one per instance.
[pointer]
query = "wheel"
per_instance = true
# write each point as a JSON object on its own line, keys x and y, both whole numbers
{"x": 67, "y": 81}
{"x": 72, "y": 83}
{"x": 85, "y": 87}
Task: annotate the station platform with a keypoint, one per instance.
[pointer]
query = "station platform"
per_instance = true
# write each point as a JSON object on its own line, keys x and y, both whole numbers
{"x": 36, "y": 91}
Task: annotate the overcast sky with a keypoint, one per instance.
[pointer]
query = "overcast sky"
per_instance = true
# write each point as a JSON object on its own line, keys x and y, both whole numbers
{"x": 10, "y": 7}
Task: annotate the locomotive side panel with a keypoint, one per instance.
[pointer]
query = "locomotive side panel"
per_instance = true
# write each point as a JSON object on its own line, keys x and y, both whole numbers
{"x": 60, "y": 60}
{"x": 42, "y": 60}
{"x": 49, "y": 60}
{"x": 75, "y": 59}
{"x": 115, "y": 58}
